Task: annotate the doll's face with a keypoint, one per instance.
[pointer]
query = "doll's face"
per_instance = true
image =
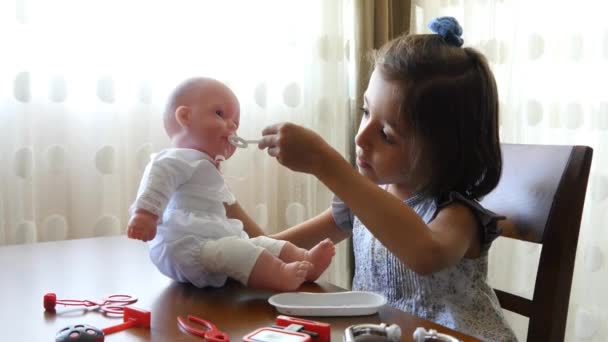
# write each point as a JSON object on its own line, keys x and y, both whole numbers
{"x": 213, "y": 118}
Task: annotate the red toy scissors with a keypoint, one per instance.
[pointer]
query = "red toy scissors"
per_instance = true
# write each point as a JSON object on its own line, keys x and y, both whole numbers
{"x": 211, "y": 333}
{"x": 114, "y": 304}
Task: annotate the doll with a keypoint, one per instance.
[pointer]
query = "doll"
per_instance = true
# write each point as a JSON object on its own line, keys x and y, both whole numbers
{"x": 181, "y": 205}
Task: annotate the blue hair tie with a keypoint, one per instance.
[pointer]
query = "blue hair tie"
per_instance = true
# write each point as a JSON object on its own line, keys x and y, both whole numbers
{"x": 449, "y": 29}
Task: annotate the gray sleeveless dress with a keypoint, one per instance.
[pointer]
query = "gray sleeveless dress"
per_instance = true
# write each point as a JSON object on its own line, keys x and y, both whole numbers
{"x": 458, "y": 297}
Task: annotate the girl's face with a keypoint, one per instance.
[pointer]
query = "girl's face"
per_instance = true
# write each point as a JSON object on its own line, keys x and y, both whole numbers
{"x": 215, "y": 117}
{"x": 382, "y": 151}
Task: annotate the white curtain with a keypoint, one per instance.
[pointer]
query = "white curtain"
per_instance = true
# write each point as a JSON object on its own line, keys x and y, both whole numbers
{"x": 550, "y": 59}
{"x": 83, "y": 85}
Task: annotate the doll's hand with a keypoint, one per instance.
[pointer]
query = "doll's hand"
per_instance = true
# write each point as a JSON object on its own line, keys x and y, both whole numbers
{"x": 142, "y": 225}
{"x": 296, "y": 147}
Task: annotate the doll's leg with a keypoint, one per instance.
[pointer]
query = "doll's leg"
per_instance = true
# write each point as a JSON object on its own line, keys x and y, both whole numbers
{"x": 252, "y": 265}
{"x": 270, "y": 272}
{"x": 320, "y": 255}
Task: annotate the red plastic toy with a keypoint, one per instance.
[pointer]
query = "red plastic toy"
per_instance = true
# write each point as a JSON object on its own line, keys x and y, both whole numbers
{"x": 113, "y": 304}
{"x": 133, "y": 317}
{"x": 210, "y": 333}
{"x": 322, "y": 330}
{"x": 292, "y": 329}
{"x": 276, "y": 334}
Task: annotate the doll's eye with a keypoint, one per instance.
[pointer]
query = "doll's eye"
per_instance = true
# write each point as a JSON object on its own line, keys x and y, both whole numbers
{"x": 365, "y": 111}
{"x": 219, "y": 113}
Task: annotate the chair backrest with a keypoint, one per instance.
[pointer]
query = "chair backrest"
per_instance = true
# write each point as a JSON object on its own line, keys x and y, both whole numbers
{"x": 542, "y": 193}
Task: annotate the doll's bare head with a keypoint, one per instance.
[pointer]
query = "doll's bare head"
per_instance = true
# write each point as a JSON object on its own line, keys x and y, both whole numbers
{"x": 201, "y": 113}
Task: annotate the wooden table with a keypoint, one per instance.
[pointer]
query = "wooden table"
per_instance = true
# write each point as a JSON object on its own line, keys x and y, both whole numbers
{"x": 94, "y": 268}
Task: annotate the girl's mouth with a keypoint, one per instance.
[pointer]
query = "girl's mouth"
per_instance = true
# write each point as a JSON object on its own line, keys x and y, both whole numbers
{"x": 362, "y": 164}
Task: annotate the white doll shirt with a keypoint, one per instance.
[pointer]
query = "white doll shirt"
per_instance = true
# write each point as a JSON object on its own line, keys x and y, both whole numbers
{"x": 187, "y": 192}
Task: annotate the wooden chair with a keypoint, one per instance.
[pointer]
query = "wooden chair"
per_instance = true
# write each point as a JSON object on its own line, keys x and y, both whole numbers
{"x": 542, "y": 193}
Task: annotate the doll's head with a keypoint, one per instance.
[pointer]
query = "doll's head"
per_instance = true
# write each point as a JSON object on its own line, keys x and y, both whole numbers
{"x": 201, "y": 113}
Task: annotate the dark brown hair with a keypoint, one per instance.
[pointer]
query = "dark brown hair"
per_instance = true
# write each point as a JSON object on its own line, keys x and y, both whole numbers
{"x": 449, "y": 107}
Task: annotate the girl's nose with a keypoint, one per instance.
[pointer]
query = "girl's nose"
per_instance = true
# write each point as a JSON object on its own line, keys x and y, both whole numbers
{"x": 362, "y": 137}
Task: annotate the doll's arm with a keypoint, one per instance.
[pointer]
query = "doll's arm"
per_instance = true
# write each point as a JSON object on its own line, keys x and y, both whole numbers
{"x": 161, "y": 178}
{"x": 142, "y": 225}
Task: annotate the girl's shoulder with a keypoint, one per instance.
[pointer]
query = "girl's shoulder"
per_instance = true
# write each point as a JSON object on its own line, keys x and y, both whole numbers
{"x": 488, "y": 220}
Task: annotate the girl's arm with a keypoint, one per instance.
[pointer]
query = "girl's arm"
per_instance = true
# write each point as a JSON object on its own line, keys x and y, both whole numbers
{"x": 307, "y": 234}
{"x": 424, "y": 249}
{"x": 235, "y": 211}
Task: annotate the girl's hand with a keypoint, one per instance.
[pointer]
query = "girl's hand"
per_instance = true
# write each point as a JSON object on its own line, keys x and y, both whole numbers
{"x": 298, "y": 148}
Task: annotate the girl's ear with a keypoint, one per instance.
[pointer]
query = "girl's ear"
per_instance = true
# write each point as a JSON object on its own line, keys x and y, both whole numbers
{"x": 183, "y": 116}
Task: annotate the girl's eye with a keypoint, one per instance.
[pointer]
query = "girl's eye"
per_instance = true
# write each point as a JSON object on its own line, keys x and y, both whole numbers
{"x": 219, "y": 113}
{"x": 386, "y": 138}
{"x": 365, "y": 111}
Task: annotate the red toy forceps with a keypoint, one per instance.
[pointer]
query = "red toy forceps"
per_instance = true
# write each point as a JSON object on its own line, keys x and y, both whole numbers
{"x": 113, "y": 304}
{"x": 211, "y": 333}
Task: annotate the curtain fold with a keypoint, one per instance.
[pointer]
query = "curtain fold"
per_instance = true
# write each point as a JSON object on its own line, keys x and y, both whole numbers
{"x": 376, "y": 22}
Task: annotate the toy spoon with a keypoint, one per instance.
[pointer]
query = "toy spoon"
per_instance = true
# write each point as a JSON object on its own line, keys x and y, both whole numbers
{"x": 240, "y": 142}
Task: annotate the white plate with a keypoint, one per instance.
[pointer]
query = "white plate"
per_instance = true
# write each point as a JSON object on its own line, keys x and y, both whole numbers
{"x": 349, "y": 303}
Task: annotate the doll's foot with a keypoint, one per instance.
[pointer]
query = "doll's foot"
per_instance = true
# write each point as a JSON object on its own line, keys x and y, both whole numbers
{"x": 293, "y": 274}
{"x": 320, "y": 256}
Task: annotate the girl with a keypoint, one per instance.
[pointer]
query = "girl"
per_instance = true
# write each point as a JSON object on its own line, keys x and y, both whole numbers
{"x": 427, "y": 149}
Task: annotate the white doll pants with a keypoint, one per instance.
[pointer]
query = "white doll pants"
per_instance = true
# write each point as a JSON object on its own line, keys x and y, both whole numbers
{"x": 209, "y": 262}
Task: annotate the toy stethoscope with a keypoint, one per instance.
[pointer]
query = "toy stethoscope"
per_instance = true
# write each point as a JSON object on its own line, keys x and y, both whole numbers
{"x": 113, "y": 304}
{"x": 422, "y": 335}
{"x": 372, "y": 332}
{"x": 133, "y": 317}
{"x": 211, "y": 332}
{"x": 240, "y": 142}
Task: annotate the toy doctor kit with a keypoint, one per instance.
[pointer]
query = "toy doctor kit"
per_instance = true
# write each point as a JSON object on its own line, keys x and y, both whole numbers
{"x": 133, "y": 317}
{"x": 210, "y": 332}
{"x": 348, "y": 303}
{"x": 113, "y": 304}
{"x": 291, "y": 329}
{"x": 422, "y": 335}
{"x": 372, "y": 333}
